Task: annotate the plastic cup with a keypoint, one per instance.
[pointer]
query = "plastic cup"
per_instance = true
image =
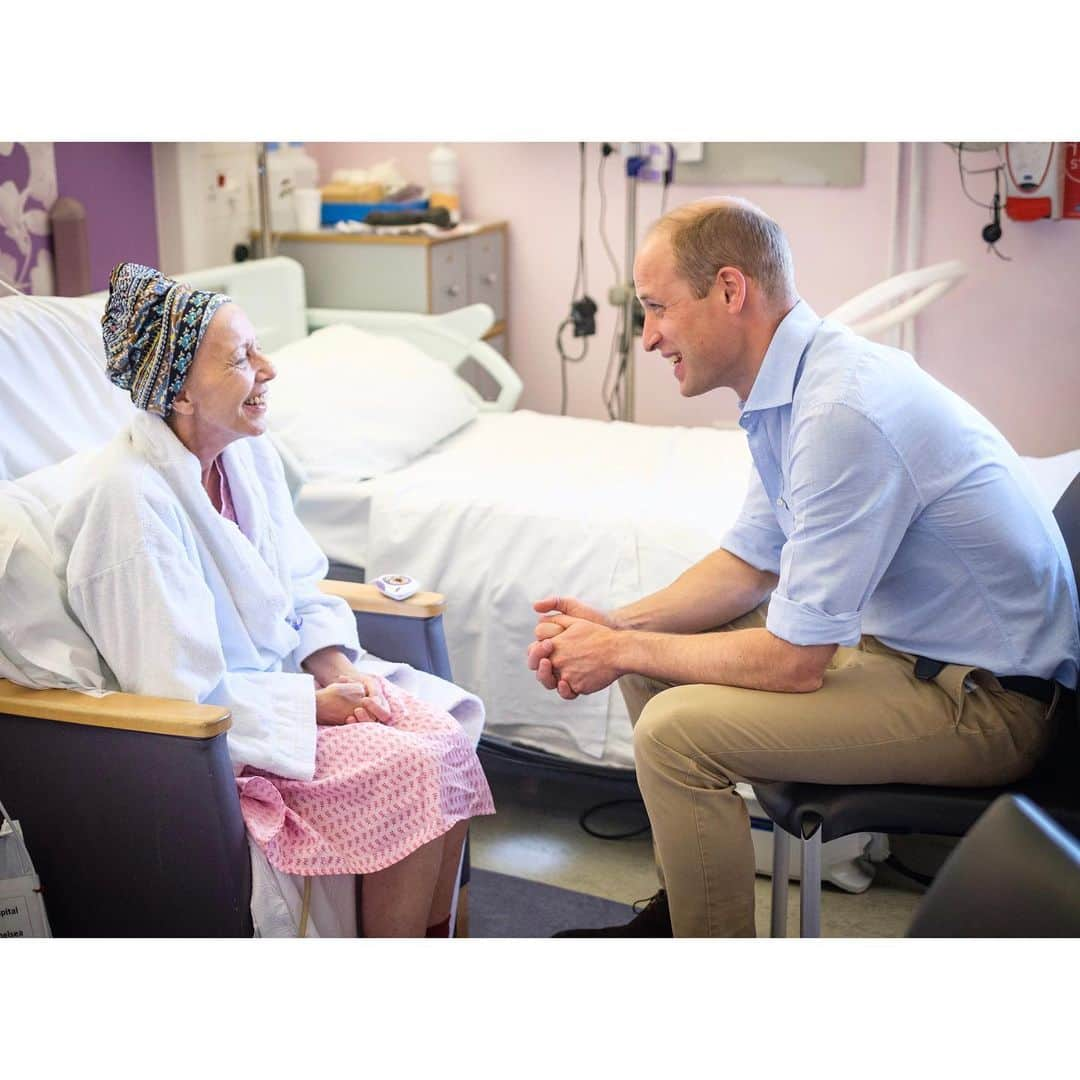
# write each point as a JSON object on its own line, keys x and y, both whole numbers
{"x": 308, "y": 203}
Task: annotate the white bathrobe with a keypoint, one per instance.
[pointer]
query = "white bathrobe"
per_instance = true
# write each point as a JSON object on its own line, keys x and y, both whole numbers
{"x": 182, "y": 604}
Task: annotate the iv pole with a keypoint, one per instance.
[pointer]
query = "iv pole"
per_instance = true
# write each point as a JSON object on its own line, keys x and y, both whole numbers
{"x": 626, "y": 345}
{"x": 637, "y": 168}
{"x": 266, "y": 236}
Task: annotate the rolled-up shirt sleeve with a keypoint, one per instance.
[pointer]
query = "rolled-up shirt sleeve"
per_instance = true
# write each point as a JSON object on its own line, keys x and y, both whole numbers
{"x": 756, "y": 536}
{"x": 851, "y": 501}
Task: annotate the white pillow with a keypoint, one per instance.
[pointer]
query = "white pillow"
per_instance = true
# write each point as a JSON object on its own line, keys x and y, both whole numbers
{"x": 351, "y": 404}
{"x": 42, "y": 645}
{"x": 55, "y": 397}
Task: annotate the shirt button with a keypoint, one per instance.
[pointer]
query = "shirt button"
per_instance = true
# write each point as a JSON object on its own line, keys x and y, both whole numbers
{"x": 779, "y": 501}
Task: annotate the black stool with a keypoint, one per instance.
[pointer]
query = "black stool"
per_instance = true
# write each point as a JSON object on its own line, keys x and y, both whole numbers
{"x": 817, "y": 813}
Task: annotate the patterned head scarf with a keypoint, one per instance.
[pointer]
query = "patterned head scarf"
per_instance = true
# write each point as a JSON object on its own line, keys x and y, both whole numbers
{"x": 152, "y": 327}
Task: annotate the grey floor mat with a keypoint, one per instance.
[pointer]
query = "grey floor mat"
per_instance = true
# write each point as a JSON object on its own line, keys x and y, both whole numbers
{"x": 501, "y": 906}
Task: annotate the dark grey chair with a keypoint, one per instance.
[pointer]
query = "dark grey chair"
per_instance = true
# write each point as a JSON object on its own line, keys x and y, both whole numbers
{"x": 128, "y": 804}
{"x": 813, "y": 814}
{"x": 1015, "y": 875}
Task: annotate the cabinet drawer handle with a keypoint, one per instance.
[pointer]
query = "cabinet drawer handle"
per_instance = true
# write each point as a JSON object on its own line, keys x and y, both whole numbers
{"x": 490, "y": 279}
{"x": 453, "y": 290}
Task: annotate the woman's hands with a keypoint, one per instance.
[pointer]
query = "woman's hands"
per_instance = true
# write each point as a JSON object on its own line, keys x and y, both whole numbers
{"x": 351, "y": 699}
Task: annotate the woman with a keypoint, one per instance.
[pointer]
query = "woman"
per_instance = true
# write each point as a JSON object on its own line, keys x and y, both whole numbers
{"x": 189, "y": 569}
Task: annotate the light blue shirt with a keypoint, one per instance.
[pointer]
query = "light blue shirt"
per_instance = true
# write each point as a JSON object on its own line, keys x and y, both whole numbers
{"x": 888, "y": 506}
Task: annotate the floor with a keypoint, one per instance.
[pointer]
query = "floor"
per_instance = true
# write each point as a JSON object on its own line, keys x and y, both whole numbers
{"x": 536, "y": 835}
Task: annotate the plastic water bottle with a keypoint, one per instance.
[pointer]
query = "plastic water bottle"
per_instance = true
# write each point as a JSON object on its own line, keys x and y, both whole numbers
{"x": 443, "y": 177}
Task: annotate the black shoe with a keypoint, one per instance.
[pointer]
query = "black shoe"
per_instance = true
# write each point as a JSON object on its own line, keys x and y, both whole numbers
{"x": 653, "y": 920}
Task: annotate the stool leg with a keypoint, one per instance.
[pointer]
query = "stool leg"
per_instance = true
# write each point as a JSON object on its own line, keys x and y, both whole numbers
{"x": 810, "y": 886}
{"x": 781, "y": 871}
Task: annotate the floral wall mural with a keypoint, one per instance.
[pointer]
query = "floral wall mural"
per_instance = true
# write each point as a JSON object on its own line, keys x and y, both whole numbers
{"x": 27, "y": 192}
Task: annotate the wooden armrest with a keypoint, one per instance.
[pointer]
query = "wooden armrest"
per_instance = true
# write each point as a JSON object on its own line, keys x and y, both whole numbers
{"x": 363, "y": 597}
{"x": 128, "y": 712}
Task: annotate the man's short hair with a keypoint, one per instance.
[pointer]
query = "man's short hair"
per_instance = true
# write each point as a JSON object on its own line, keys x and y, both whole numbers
{"x": 707, "y": 235}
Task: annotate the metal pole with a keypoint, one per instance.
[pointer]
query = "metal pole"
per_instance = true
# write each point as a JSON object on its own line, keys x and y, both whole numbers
{"x": 627, "y": 348}
{"x": 810, "y": 885}
{"x": 781, "y": 871}
{"x": 266, "y": 236}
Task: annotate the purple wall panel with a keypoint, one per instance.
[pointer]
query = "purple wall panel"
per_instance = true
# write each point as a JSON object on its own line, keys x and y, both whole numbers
{"x": 115, "y": 182}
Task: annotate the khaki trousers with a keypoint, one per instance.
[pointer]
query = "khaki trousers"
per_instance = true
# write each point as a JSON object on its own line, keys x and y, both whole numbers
{"x": 872, "y": 722}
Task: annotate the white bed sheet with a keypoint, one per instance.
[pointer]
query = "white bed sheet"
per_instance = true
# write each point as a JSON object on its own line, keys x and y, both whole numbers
{"x": 518, "y": 505}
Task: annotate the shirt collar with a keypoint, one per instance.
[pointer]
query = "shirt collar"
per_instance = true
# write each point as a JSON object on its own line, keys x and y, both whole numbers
{"x": 775, "y": 382}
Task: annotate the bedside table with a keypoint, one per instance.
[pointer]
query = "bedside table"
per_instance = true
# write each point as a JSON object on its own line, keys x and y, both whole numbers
{"x": 421, "y": 273}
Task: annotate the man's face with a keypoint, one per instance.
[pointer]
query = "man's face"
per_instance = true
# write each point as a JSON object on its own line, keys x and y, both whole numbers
{"x": 226, "y": 386}
{"x": 698, "y": 336}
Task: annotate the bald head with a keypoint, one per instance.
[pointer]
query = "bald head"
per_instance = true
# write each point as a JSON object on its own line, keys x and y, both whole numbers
{"x": 712, "y": 233}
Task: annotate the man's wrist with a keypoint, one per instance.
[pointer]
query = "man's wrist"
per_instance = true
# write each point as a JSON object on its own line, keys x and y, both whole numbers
{"x": 623, "y": 645}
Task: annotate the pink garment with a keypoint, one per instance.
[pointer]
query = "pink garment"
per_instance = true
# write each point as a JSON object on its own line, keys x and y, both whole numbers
{"x": 380, "y": 791}
{"x": 228, "y": 511}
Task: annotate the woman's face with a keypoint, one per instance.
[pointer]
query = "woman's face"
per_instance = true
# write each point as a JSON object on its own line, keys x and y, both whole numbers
{"x": 224, "y": 394}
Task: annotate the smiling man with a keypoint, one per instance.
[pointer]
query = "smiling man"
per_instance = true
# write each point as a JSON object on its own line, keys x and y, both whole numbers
{"x": 893, "y": 604}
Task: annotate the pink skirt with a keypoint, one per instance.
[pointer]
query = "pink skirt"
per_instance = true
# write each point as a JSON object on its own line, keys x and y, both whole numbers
{"x": 380, "y": 791}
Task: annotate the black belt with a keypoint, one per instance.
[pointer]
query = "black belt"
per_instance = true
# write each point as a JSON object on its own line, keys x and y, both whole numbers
{"x": 1039, "y": 689}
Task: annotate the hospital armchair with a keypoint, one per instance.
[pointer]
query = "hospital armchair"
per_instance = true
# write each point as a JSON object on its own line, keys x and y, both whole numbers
{"x": 127, "y": 804}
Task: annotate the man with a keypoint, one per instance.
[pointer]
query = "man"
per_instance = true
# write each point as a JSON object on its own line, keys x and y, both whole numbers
{"x": 885, "y": 521}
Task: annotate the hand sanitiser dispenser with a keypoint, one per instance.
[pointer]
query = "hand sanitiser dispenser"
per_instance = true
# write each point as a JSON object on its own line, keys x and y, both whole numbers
{"x": 1034, "y": 178}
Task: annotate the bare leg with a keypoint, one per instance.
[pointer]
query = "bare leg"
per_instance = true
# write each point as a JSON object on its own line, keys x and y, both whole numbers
{"x": 395, "y": 902}
{"x": 444, "y": 887}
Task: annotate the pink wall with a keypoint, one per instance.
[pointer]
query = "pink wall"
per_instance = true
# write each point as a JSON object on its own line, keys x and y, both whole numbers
{"x": 1006, "y": 338}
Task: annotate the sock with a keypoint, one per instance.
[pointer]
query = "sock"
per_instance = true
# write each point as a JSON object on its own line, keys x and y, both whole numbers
{"x": 440, "y": 929}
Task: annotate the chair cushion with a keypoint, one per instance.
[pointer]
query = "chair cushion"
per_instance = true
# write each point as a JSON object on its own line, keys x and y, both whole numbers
{"x": 910, "y": 808}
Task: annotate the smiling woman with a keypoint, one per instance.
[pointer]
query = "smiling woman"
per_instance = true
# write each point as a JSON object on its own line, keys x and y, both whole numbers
{"x": 194, "y": 579}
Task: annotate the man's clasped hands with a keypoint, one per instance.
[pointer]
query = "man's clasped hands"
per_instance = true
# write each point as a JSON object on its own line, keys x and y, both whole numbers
{"x": 576, "y": 647}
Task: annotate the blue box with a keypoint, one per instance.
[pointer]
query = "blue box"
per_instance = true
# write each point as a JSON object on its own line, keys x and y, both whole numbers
{"x": 332, "y": 213}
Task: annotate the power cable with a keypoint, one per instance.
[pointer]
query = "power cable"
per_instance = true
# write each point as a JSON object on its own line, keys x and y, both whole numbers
{"x": 583, "y": 820}
{"x": 518, "y": 754}
{"x": 605, "y": 153}
{"x": 582, "y": 307}
{"x": 991, "y": 232}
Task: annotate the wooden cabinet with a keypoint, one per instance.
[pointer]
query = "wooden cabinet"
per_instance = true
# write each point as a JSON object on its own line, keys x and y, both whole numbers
{"x": 429, "y": 274}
